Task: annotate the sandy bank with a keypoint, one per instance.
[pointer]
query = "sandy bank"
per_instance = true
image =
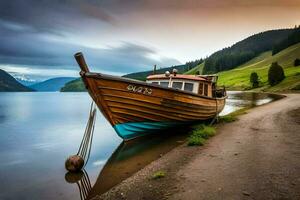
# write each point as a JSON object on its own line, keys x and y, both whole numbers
{"x": 256, "y": 157}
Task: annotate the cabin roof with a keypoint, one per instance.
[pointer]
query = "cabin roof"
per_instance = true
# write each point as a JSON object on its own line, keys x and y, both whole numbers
{"x": 178, "y": 76}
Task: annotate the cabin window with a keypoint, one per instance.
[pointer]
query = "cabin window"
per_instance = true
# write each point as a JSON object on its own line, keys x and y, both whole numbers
{"x": 205, "y": 89}
{"x": 177, "y": 85}
{"x": 188, "y": 87}
{"x": 164, "y": 83}
{"x": 155, "y": 83}
{"x": 201, "y": 88}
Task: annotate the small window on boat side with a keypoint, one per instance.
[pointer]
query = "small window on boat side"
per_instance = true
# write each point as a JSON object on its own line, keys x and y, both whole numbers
{"x": 188, "y": 87}
{"x": 155, "y": 83}
{"x": 205, "y": 89}
{"x": 164, "y": 83}
{"x": 177, "y": 85}
{"x": 201, "y": 88}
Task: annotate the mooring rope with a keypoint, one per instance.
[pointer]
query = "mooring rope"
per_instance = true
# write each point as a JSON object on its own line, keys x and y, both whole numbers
{"x": 87, "y": 140}
{"x": 217, "y": 114}
{"x": 84, "y": 185}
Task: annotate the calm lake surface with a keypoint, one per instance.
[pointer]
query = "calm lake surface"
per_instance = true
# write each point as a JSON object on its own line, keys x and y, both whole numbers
{"x": 38, "y": 131}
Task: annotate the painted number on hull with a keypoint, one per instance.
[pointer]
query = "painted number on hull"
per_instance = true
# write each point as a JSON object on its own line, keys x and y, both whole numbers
{"x": 139, "y": 89}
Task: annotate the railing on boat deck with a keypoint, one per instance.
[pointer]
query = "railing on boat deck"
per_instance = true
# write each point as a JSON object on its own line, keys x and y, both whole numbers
{"x": 219, "y": 92}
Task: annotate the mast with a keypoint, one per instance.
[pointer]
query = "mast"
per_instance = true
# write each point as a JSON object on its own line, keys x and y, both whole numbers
{"x": 81, "y": 62}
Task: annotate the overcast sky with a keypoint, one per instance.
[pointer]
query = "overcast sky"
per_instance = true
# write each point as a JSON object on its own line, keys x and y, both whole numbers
{"x": 39, "y": 37}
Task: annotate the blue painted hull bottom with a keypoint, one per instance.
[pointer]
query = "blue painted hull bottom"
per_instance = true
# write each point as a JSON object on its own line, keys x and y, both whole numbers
{"x": 132, "y": 130}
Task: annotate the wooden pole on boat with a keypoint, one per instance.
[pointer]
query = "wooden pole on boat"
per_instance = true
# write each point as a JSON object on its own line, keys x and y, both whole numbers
{"x": 81, "y": 62}
{"x": 154, "y": 69}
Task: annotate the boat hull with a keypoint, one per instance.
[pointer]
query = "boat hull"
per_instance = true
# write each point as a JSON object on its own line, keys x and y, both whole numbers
{"x": 135, "y": 108}
{"x": 132, "y": 130}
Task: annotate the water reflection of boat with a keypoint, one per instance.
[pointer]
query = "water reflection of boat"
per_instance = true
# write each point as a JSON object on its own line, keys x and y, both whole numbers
{"x": 129, "y": 158}
{"x": 132, "y": 156}
{"x": 135, "y": 108}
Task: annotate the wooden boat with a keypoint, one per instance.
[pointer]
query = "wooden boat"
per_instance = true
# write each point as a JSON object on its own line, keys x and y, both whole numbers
{"x": 135, "y": 108}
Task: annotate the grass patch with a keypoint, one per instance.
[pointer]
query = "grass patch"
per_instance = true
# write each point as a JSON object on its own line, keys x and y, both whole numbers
{"x": 194, "y": 140}
{"x": 158, "y": 174}
{"x": 200, "y": 134}
{"x": 227, "y": 119}
{"x": 297, "y": 87}
{"x": 198, "y": 126}
{"x": 239, "y": 112}
{"x": 232, "y": 116}
{"x": 207, "y": 132}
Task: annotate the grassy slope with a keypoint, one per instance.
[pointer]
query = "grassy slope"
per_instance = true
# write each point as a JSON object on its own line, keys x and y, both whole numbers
{"x": 195, "y": 69}
{"x": 238, "y": 78}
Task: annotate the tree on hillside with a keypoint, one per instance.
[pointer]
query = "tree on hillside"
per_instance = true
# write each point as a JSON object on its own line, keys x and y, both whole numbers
{"x": 254, "y": 80}
{"x": 275, "y": 74}
{"x": 192, "y": 64}
{"x": 297, "y": 62}
{"x": 292, "y": 39}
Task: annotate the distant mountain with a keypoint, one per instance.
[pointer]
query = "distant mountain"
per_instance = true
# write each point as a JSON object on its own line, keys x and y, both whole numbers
{"x": 23, "y": 78}
{"x": 26, "y": 82}
{"x": 10, "y": 84}
{"x": 51, "y": 85}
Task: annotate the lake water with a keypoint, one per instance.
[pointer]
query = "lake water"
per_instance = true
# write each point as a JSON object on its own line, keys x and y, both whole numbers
{"x": 38, "y": 131}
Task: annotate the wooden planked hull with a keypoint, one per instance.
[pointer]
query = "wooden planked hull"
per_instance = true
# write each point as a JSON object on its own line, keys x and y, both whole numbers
{"x": 134, "y": 107}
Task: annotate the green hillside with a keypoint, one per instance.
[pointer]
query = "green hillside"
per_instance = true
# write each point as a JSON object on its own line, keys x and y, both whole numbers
{"x": 238, "y": 78}
{"x": 74, "y": 86}
{"x": 245, "y": 50}
{"x": 198, "y": 68}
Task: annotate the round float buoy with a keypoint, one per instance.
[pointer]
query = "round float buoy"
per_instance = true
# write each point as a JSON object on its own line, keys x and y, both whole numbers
{"x": 74, "y": 163}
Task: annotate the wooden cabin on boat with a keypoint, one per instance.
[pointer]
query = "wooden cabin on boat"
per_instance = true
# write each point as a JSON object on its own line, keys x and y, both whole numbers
{"x": 204, "y": 85}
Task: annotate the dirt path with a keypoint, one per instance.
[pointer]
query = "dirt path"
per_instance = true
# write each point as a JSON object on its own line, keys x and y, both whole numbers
{"x": 256, "y": 157}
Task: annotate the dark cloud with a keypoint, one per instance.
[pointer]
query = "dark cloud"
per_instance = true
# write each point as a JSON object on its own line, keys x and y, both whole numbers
{"x": 27, "y": 29}
{"x": 48, "y": 16}
{"x": 56, "y": 16}
{"x": 19, "y": 48}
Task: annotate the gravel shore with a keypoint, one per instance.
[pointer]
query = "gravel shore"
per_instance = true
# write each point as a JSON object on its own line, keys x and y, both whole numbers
{"x": 255, "y": 157}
